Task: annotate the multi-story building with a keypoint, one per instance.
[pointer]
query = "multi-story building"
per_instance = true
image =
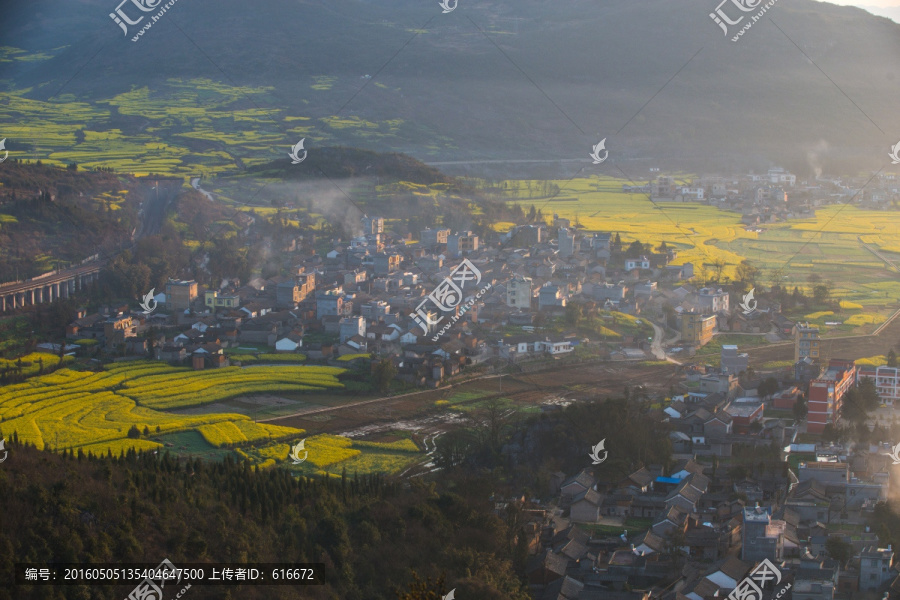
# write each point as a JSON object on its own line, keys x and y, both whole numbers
{"x": 600, "y": 244}
{"x": 350, "y": 326}
{"x": 763, "y": 536}
{"x": 663, "y": 187}
{"x": 287, "y": 294}
{"x": 551, "y": 295}
{"x": 354, "y": 278}
{"x": 295, "y": 290}
{"x": 693, "y": 193}
{"x": 462, "y": 242}
{"x": 519, "y": 292}
{"x": 713, "y": 300}
{"x": 433, "y": 237}
{"x": 372, "y": 225}
{"x": 826, "y": 394}
{"x": 330, "y": 302}
{"x": 117, "y": 329}
{"x": 875, "y": 567}
{"x": 806, "y": 342}
{"x": 215, "y": 300}
{"x": 527, "y": 235}
{"x": 640, "y": 262}
{"x": 887, "y": 382}
{"x": 827, "y": 473}
{"x": 780, "y": 176}
{"x": 375, "y": 310}
{"x": 733, "y": 362}
{"x": 697, "y": 329}
{"x": 180, "y": 294}
{"x": 385, "y": 264}
{"x": 566, "y": 242}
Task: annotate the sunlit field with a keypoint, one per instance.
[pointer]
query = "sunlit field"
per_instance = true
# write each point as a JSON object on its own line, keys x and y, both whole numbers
{"x": 184, "y": 127}
{"x": 94, "y": 411}
{"x": 826, "y": 246}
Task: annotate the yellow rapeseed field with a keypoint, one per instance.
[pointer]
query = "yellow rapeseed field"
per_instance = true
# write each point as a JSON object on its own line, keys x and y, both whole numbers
{"x": 94, "y": 411}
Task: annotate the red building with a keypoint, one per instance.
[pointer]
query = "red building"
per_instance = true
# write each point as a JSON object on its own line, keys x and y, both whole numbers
{"x": 826, "y": 394}
{"x": 743, "y": 414}
{"x": 786, "y": 399}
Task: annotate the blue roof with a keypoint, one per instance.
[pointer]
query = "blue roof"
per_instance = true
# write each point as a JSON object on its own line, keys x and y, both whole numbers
{"x": 668, "y": 480}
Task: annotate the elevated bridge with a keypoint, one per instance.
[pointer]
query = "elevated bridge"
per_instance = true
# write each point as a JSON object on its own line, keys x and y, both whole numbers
{"x": 49, "y": 286}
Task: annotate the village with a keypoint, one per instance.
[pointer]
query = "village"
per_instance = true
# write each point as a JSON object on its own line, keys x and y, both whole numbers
{"x": 759, "y": 471}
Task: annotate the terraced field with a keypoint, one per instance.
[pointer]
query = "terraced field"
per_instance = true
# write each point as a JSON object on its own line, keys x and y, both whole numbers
{"x": 334, "y": 454}
{"x": 94, "y": 411}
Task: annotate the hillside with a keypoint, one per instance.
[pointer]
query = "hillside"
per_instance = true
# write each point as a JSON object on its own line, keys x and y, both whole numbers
{"x": 50, "y": 215}
{"x": 810, "y": 86}
{"x": 369, "y": 533}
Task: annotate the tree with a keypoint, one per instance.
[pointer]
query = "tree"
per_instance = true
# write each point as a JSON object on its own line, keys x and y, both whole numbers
{"x": 746, "y": 273}
{"x": 838, "y": 549}
{"x": 800, "y": 408}
{"x": 134, "y": 432}
{"x": 673, "y": 544}
{"x": 891, "y": 358}
{"x": 573, "y": 314}
{"x": 768, "y": 387}
{"x": 635, "y": 250}
{"x": 719, "y": 268}
{"x": 821, "y": 294}
{"x": 383, "y": 372}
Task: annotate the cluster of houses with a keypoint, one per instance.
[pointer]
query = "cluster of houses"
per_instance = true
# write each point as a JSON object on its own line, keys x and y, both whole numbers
{"x": 380, "y": 293}
{"x": 742, "y": 490}
{"x": 376, "y": 294}
{"x": 695, "y": 530}
{"x": 773, "y": 196}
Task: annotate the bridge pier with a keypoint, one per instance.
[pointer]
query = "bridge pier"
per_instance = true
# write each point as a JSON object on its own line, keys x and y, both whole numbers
{"x": 46, "y": 288}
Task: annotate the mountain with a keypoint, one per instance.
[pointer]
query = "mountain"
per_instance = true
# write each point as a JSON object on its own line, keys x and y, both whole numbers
{"x": 810, "y": 86}
{"x": 890, "y": 12}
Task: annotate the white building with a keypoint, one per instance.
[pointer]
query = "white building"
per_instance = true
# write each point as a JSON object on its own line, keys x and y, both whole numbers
{"x": 887, "y": 382}
{"x": 519, "y": 292}
{"x": 713, "y": 300}
{"x": 637, "y": 263}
